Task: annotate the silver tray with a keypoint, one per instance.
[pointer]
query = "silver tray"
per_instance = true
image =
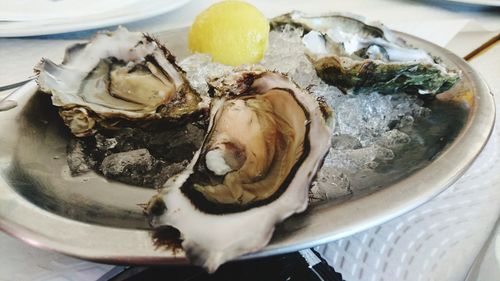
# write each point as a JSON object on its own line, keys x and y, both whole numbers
{"x": 92, "y": 218}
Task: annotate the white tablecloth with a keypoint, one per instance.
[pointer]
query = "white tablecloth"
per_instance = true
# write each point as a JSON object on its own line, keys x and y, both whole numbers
{"x": 436, "y": 241}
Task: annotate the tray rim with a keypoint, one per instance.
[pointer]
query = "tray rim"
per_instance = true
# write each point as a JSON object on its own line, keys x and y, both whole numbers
{"x": 45, "y": 231}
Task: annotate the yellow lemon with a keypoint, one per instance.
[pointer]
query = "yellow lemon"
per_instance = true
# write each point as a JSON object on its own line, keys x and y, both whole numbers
{"x": 232, "y": 32}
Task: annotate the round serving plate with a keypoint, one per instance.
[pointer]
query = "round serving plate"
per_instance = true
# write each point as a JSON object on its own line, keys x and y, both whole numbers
{"x": 93, "y": 218}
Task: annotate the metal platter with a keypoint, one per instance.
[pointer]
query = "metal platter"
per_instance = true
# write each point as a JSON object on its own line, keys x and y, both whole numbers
{"x": 96, "y": 219}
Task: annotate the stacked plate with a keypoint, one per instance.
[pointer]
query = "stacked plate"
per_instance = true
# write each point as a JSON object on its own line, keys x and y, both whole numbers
{"x": 40, "y": 17}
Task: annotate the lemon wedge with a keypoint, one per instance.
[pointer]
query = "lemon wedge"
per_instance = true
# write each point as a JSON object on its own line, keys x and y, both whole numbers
{"x": 232, "y": 32}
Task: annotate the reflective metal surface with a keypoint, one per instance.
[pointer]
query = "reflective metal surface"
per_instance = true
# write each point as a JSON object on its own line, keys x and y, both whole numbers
{"x": 93, "y": 218}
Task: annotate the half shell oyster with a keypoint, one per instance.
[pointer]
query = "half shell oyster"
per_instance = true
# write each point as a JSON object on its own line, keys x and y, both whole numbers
{"x": 116, "y": 79}
{"x": 361, "y": 58}
{"x": 266, "y": 140}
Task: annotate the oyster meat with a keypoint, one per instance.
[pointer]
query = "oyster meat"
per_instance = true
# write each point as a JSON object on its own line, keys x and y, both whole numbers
{"x": 116, "y": 79}
{"x": 360, "y": 58}
{"x": 266, "y": 140}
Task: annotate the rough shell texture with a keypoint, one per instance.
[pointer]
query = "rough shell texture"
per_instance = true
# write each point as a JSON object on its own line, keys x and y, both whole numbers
{"x": 214, "y": 232}
{"x": 359, "y": 57}
{"x": 117, "y": 79}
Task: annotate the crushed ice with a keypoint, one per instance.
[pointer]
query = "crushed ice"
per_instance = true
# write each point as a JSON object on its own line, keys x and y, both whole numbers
{"x": 366, "y": 126}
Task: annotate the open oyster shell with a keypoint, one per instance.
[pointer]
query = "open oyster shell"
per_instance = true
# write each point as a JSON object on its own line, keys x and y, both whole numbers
{"x": 116, "y": 79}
{"x": 266, "y": 140}
{"x": 358, "y": 57}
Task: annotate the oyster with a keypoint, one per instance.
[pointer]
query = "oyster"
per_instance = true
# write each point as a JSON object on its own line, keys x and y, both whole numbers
{"x": 117, "y": 78}
{"x": 357, "y": 57}
{"x": 266, "y": 140}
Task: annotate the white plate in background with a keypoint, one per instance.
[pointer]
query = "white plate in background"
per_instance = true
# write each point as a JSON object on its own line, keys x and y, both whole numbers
{"x": 29, "y": 10}
{"x": 133, "y": 11}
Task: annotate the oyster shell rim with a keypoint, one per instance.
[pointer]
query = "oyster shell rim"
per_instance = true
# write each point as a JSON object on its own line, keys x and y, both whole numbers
{"x": 211, "y": 249}
{"x": 346, "y": 64}
{"x": 97, "y": 114}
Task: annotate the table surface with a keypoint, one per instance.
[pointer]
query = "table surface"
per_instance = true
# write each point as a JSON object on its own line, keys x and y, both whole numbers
{"x": 437, "y": 241}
